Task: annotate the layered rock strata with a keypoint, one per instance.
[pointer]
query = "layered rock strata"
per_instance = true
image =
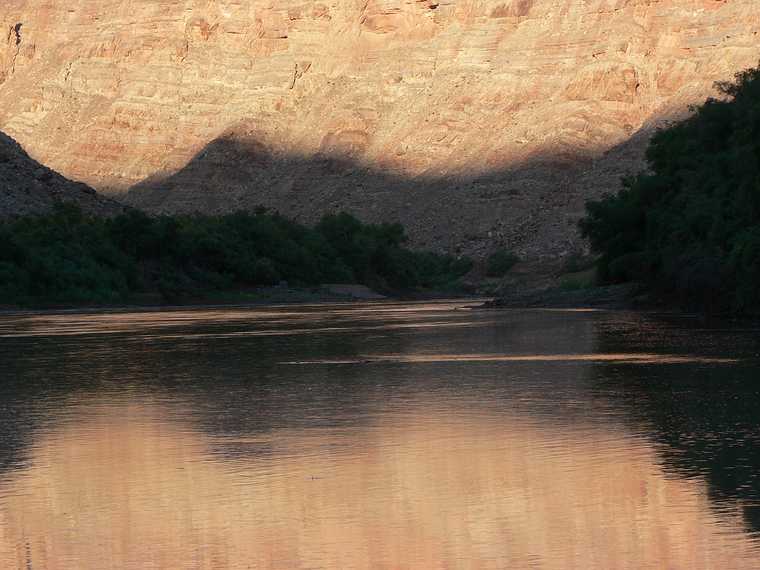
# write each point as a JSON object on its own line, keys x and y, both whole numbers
{"x": 475, "y": 122}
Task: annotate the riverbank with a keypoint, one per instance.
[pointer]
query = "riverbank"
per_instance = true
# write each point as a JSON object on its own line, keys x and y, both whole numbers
{"x": 618, "y": 297}
{"x": 70, "y": 257}
{"x": 254, "y": 296}
{"x": 262, "y": 296}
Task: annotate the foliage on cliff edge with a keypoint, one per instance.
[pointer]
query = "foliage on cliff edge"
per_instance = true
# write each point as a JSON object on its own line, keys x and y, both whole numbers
{"x": 689, "y": 228}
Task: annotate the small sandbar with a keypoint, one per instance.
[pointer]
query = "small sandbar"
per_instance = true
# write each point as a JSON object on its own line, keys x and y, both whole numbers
{"x": 442, "y": 358}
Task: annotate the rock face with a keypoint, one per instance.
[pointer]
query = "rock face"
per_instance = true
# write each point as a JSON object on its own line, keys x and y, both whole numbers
{"x": 474, "y": 122}
{"x": 27, "y": 187}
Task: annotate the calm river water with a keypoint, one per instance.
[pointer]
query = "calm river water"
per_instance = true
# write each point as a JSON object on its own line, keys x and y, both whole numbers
{"x": 383, "y": 436}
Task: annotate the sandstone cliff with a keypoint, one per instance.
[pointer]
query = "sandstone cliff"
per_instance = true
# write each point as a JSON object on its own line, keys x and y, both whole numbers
{"x": 475, "y": 122}
{"x": 27, "y": 187}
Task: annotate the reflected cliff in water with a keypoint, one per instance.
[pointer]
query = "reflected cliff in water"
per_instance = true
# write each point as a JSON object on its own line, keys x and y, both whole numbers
{"x": 389, "y": 436}
{"x": 704, "y": 422}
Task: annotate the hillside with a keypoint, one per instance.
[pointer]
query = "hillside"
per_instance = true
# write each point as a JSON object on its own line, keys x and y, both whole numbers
{"x": 27, "y": 187}
{"x": 474, "y": 123}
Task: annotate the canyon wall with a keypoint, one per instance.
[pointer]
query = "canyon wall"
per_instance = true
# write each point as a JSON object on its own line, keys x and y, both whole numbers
{"x": 475, "y": 122}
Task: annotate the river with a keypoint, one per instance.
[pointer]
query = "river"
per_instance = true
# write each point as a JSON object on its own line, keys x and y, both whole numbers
{"x": 385, "y": 435}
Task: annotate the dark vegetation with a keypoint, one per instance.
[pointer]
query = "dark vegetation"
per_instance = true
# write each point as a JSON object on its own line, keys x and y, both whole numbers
{"x": 70, "y": 257}
{"x": 689, "y": 228}
{"x": 500, "y": 262}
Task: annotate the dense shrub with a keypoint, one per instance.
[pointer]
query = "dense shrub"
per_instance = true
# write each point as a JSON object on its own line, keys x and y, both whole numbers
{"x": 689, "y": 228}
{"x": 67, "y": 256}
{"x": 500, "y": 262}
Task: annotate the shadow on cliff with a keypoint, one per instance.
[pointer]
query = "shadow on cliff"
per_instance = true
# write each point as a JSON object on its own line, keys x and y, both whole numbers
{"x": 28, "y": 187}
{"x": 531, "y": 208}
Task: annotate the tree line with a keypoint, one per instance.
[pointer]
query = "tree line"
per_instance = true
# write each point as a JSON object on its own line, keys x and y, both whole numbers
{"x": 67, "y": 256}
{"x": 688, "y": 228}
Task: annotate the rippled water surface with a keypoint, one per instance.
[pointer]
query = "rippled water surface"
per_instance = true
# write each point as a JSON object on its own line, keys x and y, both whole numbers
{"x": 389, "y": 436}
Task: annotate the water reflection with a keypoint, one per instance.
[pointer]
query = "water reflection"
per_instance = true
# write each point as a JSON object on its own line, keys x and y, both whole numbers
{"x": 706, "y": 422}
{"x": 622, "y": 358}
{"x": 518, "y": 440}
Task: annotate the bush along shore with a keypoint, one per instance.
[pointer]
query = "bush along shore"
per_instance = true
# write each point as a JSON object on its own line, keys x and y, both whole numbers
{"x": 688, "y": 229}
{"x": 69, "y": 258}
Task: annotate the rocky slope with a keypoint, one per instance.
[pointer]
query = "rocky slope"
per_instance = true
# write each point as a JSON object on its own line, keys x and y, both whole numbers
{"x": 27, "y": 187}
{"x": 474, "y": 122}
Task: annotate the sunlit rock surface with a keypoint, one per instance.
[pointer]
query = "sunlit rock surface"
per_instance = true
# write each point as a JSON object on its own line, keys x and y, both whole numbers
{"x": 463, "y": 119}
